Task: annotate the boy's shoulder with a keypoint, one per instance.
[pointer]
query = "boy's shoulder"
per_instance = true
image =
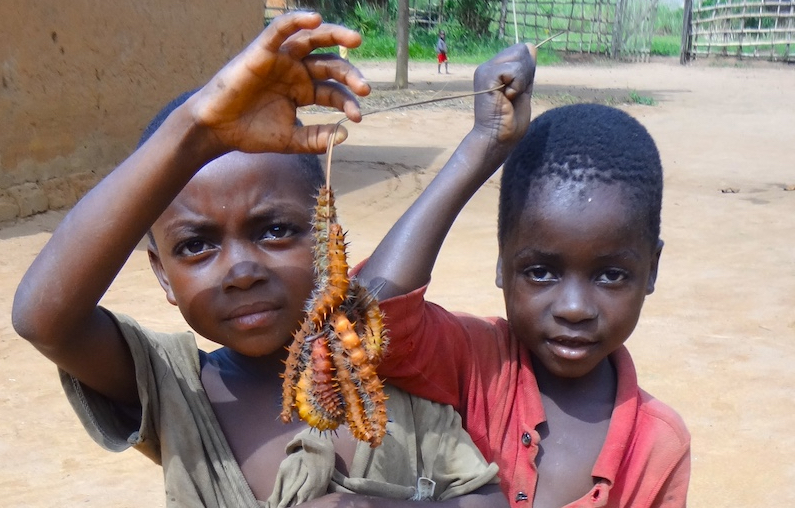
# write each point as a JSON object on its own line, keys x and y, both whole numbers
{"x": 651, "y": 420}
{"x": 663, "y": 418}
{"x": 134, "y": 333}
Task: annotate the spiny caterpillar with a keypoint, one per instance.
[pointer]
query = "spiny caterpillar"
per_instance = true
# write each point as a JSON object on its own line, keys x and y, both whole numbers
{"x": 330, "y": 376}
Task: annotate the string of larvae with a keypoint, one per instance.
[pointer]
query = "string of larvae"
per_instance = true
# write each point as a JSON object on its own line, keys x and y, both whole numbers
{"x": 330, "y": 374}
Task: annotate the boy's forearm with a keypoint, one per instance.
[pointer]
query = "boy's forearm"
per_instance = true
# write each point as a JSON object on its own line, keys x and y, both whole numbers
{"x": 417, "y": 237}
{"x": 63, "y": 285}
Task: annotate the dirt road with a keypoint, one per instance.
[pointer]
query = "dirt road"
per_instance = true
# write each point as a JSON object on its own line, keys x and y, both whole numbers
{"x": 716, "y": 340}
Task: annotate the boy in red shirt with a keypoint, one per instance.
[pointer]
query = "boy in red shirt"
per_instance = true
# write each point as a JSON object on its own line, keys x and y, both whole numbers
{"x": 550, "y": 394}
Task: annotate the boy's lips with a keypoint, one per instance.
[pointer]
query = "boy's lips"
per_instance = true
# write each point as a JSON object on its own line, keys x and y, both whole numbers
{"x": 255, "y": 315}
{"x": 571, "y": 348}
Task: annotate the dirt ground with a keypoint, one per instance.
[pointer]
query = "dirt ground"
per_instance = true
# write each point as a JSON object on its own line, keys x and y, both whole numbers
{"x": 716, "y": 340}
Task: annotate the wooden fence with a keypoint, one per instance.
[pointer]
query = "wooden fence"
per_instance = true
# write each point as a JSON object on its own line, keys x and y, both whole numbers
{"x": 620, "y": 29}
{"x": 743, "y": 29}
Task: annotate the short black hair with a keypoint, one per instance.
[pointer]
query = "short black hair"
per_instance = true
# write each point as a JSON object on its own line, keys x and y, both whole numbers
{"x": 584, "y": 143}
{"x": 309, "y": 163}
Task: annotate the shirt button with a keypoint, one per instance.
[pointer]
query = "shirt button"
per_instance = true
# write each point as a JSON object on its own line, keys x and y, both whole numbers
{"x": 526, "y": 439}
{"x": 521, "y": 496}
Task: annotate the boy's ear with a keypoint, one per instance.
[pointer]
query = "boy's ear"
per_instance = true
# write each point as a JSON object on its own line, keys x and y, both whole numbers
{"x": 160, "y": 273}
{"x": 655, "y": 264}
{"x": 498, "y": 280}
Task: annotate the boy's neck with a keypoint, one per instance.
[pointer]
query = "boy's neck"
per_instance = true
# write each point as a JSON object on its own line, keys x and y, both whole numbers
{"x": 581, "y": 396}
{"x": 252, "y": 366}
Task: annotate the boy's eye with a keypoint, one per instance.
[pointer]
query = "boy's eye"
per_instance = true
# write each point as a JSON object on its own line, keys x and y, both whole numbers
{"x": 279, "y": 231}
{"x": 612, "y": 276}
{"x": 539, "y": 274}
{"x": 192, "y": 247}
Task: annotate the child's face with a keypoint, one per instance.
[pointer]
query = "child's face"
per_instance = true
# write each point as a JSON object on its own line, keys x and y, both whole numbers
{"x": 234, "y": 251}
{"x": 575, "y": 270}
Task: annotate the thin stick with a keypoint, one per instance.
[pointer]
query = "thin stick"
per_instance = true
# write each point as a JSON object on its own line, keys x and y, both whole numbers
{"x": 549, "y": 39}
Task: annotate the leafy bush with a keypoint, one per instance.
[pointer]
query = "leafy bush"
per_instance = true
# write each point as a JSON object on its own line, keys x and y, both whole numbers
{"x": 369, "y": 19}
{"x": 474, "y": 15}
{"x": 669, "y": 20}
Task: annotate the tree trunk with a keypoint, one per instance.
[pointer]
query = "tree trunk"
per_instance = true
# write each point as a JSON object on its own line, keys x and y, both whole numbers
{"x": 503, "y": 18}
{"x": 402, "y": 64}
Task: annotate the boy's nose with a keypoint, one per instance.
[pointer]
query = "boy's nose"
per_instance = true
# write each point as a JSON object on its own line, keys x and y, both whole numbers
{"x": 573, "y": 302}
{"x": 244, "y": 271}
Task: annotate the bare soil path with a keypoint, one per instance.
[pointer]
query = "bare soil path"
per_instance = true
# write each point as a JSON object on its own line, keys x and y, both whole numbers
{"x": 716, "y": 340}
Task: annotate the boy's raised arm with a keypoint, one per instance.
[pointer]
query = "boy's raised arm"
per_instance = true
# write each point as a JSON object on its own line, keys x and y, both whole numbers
{"x": 249, "y": 106}
{"x": 404, "y": 259}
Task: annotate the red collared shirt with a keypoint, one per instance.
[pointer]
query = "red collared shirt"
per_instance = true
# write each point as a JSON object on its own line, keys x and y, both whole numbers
{"x": 476, "y": 365}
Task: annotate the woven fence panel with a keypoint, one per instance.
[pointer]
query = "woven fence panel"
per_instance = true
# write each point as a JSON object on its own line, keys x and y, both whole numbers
{"x": 587, "y": 25}
{"x": 619, "y": 29}
{"x": 635, "y": 29}
{"x": 758, "y": 29}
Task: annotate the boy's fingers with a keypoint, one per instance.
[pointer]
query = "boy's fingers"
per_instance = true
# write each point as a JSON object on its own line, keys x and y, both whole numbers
{"x": 334, "y": 95}
{"x": 518, "y": 78}
{"x": 315, "y": 138}
{"x": 285, "y": 26}
{"x": 327, "y": 66}
{"x": 300, "y": 44}
{"x": 513, "y": 67}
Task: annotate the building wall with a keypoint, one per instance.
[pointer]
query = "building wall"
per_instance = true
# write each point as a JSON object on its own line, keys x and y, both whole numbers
{"x": 81, "y": 79}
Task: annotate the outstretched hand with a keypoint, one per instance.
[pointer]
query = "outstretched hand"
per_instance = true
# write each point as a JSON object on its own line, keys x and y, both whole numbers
{"x": 250, "y": 105}
{"x": 505, "y": 113}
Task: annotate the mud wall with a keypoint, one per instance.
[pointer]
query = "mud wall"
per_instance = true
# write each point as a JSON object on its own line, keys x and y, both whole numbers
{"x": 81, "y": 79}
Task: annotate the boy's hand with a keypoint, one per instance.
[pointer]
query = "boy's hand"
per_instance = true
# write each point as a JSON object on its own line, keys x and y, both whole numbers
{"x": 505, "y": 113}
{"x": 250, "y": 105}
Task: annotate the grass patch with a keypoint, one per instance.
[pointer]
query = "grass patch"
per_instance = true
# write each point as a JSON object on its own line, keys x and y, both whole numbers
{"x": 666, "y": 45}
{"x": 645, "y": 100}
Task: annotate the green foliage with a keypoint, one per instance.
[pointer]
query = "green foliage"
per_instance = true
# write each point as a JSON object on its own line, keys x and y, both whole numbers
{"x": 369, "y": 19}
{"x": 474, "y": 15}
{"x": 667, "y": 38}
{"x": 669, "y": 20}
{"x": 333, "y": 11}
{"x": 666, "y": 45}
{"x": 641, "y": 99}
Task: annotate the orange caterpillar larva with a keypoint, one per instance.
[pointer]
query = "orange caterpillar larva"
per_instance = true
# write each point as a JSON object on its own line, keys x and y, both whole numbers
{"x": 325, "y": 209}
{"x": 307, "y": 407}
{"x": 362, "y": 371}
{"x": 375, "y": 335}
{"x": 326, "y": 391}
{"x": 325, "y": 215}
{"x": 355, "y": 414}
{"x": 370, "y": 319}
{"x": 337, "y": 282}
{"x": 292, "y": 370}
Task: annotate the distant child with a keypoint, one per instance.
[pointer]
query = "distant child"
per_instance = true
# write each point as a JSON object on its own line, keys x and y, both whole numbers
{"x": 441, "y": 52}
{"x": 550, "y": 394}
{"x": 230, "y": 241}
